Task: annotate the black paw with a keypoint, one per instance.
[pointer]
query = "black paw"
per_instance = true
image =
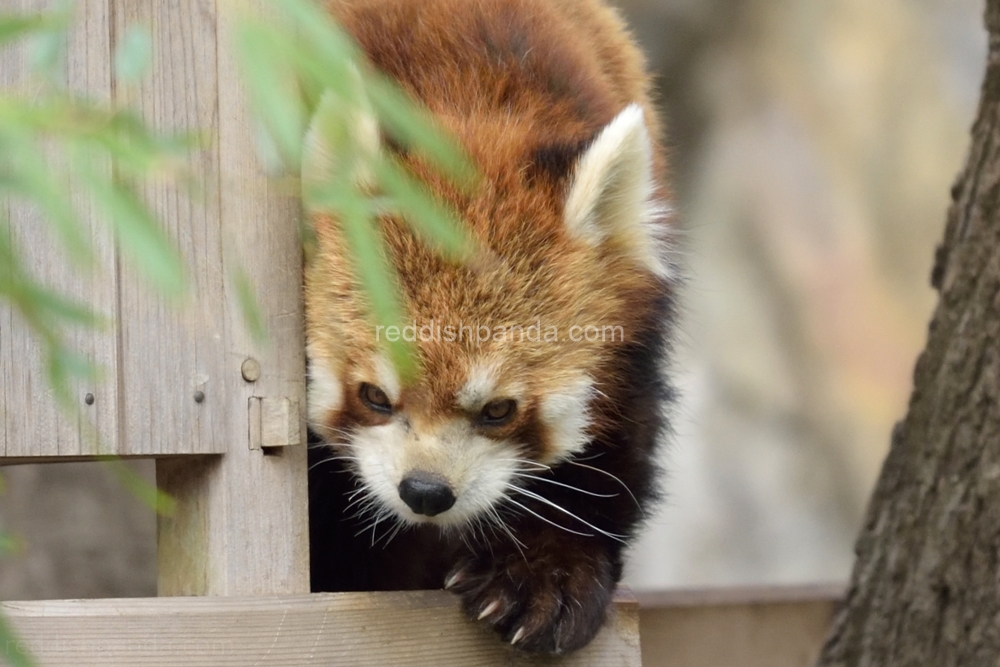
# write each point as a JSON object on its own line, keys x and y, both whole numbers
{"x": 552, "y": 603}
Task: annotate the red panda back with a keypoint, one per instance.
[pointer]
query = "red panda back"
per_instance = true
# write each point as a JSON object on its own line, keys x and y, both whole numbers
{"x": 568, "y": 65}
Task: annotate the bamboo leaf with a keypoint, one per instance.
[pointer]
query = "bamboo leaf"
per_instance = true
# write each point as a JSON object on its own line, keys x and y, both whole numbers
{"x": 378, "y": 279}
{"x": 16, "y": 26}
{"x": 16, "y": 652}
{"x": 139, "y": 234}
{"x": 436, "y": 223}
{"x": 249, "y": 306}
{"x": 270, "y": 81}
{"x": 134, "y": 54}
{"x": 28, "y": 174}
{"x": 413, "y": 127}
{"x": 160, "y": 502}
{"x": 58, "y": 307}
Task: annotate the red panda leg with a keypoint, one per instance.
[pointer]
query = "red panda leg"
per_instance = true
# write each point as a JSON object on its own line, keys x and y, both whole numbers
{"x": 548, "y": 596}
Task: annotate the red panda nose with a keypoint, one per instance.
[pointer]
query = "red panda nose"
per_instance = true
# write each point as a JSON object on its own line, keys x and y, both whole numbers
{"x": 426, "y": 493}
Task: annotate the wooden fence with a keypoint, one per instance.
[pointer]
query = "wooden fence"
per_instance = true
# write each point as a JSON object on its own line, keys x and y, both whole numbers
{"x": 222, "y": 414}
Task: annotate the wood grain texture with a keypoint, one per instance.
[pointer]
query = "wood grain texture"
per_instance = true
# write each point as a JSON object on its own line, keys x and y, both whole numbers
{"x": 244, "y": 514}
{"x": 350, "y": 629}
{"x": 780, "y": 626}
{"x": 169, "y": 353}
{"x": 241, "y": 524}
{"x": 32, "y": 422}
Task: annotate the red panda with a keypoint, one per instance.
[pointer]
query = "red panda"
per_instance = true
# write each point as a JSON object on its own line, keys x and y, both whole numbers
{"x": 513, "y": 470}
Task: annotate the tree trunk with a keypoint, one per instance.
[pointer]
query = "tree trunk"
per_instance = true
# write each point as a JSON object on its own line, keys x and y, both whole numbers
{"x": 926, "y": 587}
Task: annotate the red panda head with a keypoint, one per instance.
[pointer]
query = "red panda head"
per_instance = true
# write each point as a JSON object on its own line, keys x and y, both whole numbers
{"x": 517, "y": 352}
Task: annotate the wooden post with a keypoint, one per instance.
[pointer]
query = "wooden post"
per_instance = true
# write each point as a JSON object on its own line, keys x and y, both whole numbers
{"x": 241, "y": 526}
{"x": 230, "y": 445}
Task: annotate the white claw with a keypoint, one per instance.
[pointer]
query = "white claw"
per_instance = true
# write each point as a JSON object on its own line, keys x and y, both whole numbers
{"x": 517, "y": 635}
{"x": 488, "y": 609}
{"x": 454, "y": 579}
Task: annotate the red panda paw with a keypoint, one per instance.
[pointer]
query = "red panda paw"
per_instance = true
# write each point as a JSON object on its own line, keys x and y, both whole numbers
{"x": 550, "y": 603}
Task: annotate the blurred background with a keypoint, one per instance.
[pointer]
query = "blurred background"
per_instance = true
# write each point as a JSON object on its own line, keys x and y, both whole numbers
{"x": 814, "y": 143}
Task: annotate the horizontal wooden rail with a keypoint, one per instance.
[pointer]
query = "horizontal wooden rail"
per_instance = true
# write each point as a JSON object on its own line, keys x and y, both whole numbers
{"x": 773, "y": 626}
{"x": 330, "y": 629}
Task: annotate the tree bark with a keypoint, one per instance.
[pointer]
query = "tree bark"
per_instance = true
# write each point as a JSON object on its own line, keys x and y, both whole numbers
{"x": 926, "y": 586}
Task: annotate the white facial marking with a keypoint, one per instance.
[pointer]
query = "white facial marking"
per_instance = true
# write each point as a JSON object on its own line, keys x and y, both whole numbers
{"x": 567, "y": 415}
{"x": 612, "y": 196}
{"x": 387, "y": 378}
{"x": 479, "y": 388}
{"x": 477, "y": 468}
{"x": 326, "y": 392}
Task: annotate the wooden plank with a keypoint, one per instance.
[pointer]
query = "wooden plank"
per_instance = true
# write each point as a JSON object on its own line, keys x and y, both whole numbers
{"x": 169, "y": 354}
{"x": 242, "y": 523}
{"x": 740, "y": 595}
{"x": 737, "y": 627}
{"x": 331, "y": 629}
{"x": 33, "y": 424}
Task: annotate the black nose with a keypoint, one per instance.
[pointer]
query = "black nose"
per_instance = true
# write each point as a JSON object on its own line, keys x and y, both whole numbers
{"x": 426, "y": 493}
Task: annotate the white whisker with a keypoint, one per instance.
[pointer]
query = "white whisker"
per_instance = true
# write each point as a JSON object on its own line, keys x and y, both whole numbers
{"x": 565, "y": 486}
{"x": 605, "y": 472}
{"x": 543, "y": 499}
{"x": 392, "y": 535}
{"x": 332, "y": 458}
{"x": 494, "y": 514}
{"x": 552, "y": 523}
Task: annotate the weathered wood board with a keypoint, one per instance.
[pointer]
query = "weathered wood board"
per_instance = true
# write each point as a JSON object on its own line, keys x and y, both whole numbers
{"x": 780, "y": 626}
{"x": 31, "y": 423}
{"x": 173, "y": 382}
{"x": 333, "y": 629}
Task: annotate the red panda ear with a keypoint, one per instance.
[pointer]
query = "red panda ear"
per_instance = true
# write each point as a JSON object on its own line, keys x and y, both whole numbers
{"x": 612, "y": 194}
{"x": 331, "y": 146}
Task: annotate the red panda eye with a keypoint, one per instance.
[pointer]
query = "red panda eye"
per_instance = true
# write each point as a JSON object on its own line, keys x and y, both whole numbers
{"x": 375, "y": 398}
{"x": 498, "y": 412}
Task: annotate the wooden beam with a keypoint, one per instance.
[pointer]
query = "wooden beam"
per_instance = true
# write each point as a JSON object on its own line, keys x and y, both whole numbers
{"x": 775, "y": 626}
{"x": 329, "y": 629}
{"x": 241, "y": 527}
{"x": 31, "y": 422}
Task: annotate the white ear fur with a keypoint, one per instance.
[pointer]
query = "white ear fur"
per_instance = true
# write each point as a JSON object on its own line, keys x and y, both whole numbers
{"x": 612, "y": 195}
{"x": 326, "y": 144}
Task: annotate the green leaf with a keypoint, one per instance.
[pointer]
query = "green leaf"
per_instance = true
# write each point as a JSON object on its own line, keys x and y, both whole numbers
{"x": 48, "y": 55}
{"x": 16, "y": 26}
{"x": 249, "y": 305}
{"x": 134, "y": 54}
{"x": 378, "y": 279}
{"x": 28, "y": 174}
{"x": 61, "y": 308}
{"x": 271, "y": 83}
{"x": 9, "y": 542}
{"x": 415, "y": 128}
{"x": 159, "y": 501}
{"x": 435, "y": 223}
{"x": 139, "y": 234}
{"x": 15, "y": 652}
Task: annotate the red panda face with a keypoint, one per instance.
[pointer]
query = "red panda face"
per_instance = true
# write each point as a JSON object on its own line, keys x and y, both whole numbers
{"x": 462, "y": 439}
{"x": 517, "y": 352}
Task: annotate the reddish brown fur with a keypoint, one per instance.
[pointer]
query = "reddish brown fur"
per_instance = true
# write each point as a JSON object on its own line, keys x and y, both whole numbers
{"x": 524, "y": 85}
{"x": 541, "y": 81}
